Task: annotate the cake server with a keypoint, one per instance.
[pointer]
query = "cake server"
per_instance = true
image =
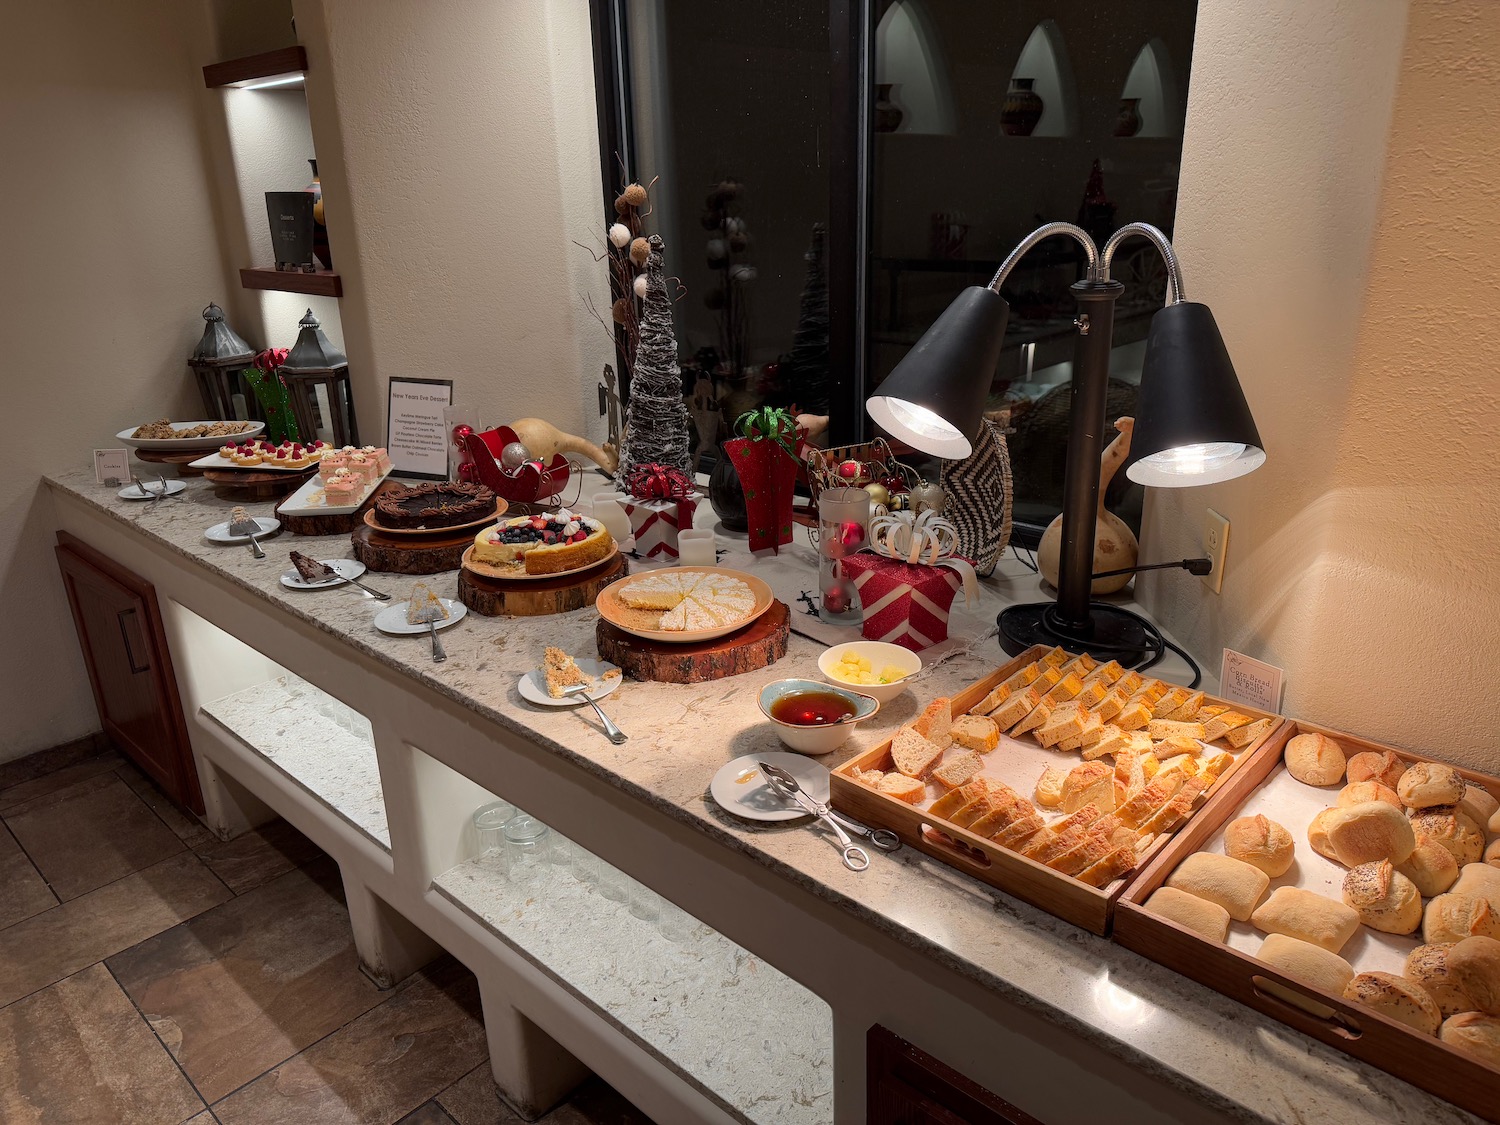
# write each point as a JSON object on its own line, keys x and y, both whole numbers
{"x": 614, "y": 733}
{"x": 329, "y": 572}
{"x": 248, "y": 527}
{"x": 855, "y": 857}
{"x": 430, "y": 615}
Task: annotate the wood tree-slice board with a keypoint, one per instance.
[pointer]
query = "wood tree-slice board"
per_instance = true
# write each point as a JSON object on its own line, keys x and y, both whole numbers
{"x": 252, "y": 484}
{"x": 759, "y": 645}
{"x": 182, "y": 459}
{"x": 536, "y": 597}
{"x": 392, "y": 554}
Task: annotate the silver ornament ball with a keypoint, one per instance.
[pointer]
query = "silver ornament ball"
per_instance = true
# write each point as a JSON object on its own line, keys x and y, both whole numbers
{"x": 514, "y": 455}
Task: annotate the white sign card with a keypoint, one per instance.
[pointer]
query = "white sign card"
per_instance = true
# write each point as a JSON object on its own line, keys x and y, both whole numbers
{"x": 416, "y": 432}
{"x": 1243, "y": 679}
{"x": 112, "y": 466}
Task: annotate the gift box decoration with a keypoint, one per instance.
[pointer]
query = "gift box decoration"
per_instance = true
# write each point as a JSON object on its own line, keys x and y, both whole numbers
{"x": 768, "y": 474}
{"x": 904, "y": 603}
{"x": 655, "y": 524}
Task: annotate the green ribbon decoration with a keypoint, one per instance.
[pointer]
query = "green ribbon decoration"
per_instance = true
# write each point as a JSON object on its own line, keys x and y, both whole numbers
{"x": 769, "y": 422}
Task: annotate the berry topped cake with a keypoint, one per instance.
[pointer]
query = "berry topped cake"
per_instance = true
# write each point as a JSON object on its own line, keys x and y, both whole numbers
{"x": 434, "y": 505}
{"x": 546, "y": 544}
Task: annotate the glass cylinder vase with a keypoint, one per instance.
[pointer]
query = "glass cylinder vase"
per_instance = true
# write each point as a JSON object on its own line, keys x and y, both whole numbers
{"x": 843, "y": 530}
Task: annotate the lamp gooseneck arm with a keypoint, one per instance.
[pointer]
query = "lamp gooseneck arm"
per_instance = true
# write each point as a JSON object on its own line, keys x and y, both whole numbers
{"x": 1175, "y": 291}
{"x": 1044, "y": 232}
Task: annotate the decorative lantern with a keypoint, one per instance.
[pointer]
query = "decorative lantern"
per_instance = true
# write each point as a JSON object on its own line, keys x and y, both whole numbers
{"x": 217, "y": 362}
{"x": 317, "y": 379}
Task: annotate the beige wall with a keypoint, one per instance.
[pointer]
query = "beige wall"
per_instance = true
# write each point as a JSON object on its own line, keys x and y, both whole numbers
{"x": 1341, "y": 225}
{"x": 110, "y": 253}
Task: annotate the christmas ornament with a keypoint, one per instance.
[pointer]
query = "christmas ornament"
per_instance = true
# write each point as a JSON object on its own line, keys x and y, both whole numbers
{"x": 852, "y": 535}
{"x": 640, "y": 286}
{"x": 920, "y": 537}
{"x": 879, "y": 493}
{"x": 659, "y": 482}
{"x": 840, "y": 595}
{"x": 619, "y": 235}
{"x": 850, "y": 470}
{"x": 928, "y": 496}
{"x": 514, "y": 455}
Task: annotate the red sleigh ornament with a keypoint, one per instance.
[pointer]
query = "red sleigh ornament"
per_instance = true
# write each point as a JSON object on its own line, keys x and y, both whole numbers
{"x": 531, "y": 483}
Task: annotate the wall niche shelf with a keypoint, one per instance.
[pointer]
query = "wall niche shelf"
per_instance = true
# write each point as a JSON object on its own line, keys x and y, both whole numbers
{"x": 284, "y": 62}
{"x": 319, "y": 283}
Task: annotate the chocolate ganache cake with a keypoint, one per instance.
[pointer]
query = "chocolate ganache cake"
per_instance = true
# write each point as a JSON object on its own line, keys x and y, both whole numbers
{"x": 433, "y": 505}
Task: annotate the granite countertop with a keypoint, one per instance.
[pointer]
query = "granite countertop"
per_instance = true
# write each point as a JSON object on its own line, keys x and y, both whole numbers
{"x": 1157, "y": 1021}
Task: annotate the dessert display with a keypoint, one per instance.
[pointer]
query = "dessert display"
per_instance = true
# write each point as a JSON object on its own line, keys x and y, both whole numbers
{"x": 545, "y": 544}
{"x": 433, "y": 505}
{"x": 163, "y": 430}
{"x": 265, "y": 454}
{"x": 855, "y": 669}
{"x": 425, "y": 606}
{"x": 676, "y": 601}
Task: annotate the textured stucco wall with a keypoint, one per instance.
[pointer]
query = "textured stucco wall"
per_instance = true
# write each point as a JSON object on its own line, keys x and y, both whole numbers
{"x": 1341, "y": 224}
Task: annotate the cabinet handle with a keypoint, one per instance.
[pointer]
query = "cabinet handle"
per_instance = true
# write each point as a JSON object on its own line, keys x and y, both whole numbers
{"x": 125, "y": 637}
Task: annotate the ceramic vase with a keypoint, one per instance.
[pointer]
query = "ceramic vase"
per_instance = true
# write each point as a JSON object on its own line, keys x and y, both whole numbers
{"x": 1128, "y": 122}
{"x": 1022, "y": 108}
{"x": 1115, "y": 545}
{"x": 888, "y": 115}
{"x": 725, "y": 494}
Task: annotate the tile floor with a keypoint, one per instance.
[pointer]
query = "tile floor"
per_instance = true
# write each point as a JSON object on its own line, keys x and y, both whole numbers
{"x": 151, "y": 973}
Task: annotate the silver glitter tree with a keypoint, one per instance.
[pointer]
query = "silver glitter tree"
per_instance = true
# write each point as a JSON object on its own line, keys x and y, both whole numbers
{"x": 656, "y": 417}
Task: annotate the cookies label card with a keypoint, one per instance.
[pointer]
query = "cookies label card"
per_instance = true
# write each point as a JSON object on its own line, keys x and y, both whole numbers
{"x": 1243, "y": 679}
{"x": 111, "y": 466}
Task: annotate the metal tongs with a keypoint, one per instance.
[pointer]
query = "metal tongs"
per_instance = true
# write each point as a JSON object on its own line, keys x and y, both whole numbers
{"x": 855, "y": 857}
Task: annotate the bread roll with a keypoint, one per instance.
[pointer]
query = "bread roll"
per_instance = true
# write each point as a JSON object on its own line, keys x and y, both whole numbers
{"x": 1492, "y": 853}
{"x": 1317, "y": 834}
{"x": 1358, "y": 792}
{"x": 1384, "y": 766}
{"x": 1383, "y": 898}
{"x": 1208, "y": 919}
{"x": 1475, "y": 1033}
{"x": 1232, "y": 883}
{"x": 1403, "y": 1000}
{"x": 1307, "y": 917}
{"x": 1479, "y": 804}
{"x": 1428, "y": 966}
{"x": 1369, "y": 832}
{"x": 1431, "y": 867}
{"x": 1445, "y": 825}
{"x": 1482, "y": 880}
{"x": 1475, "y": 965}
{"x": 1425, "y": 784}
{"x": 1315, "y": 759}
{"x": 1307, "y": 963}
{"x": 1494, "y": 824}
{"x": 1453, "y": 917}
{"x": 1260, "y": 841}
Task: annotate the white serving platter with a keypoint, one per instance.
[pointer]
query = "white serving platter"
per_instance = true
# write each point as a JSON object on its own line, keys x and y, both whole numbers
{"x": 181, "y": 445}
{"x": 311, "y": 500}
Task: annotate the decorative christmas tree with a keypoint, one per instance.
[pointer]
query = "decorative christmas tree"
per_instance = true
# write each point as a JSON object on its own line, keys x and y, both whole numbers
{"x": 804, "y": 372}
{"x": 656, "y": 417}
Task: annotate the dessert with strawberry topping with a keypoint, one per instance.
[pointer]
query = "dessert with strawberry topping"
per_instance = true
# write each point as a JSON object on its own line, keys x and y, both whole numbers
{"x": 545, "y": 544}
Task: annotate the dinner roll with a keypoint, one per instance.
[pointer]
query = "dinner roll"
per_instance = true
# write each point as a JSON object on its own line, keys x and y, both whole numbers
{"x": 1384, "y": 766}
{"x": 1308, "y": 963}
{"x": 1492, "y": 853}
{"x": 1359, "y": 792}
{"x": 1208, "y": 919}
{"x": 1260, "y": 841}
{"x": 1308, "y": 917}
{"x": 1425, "y": 784}
{"x": 1475, "y": 965}
{"x": 1479, "y": 804}
{"x": 1428, "y": 966}
{"x": 1232, "y": 883}
{"x": 1494, "y": 824}
{"x": 1445, "y": 825}
{"x": 1400, "y": 999}
{"x": 1431, "y": 867}
{"x": 1454, "y": 916}
{"x": 1482, "y": 880}
{"x": 1315, "y": 759}
{"x": 1317, "y": 834}
{"x": 1369, "y": 832}
{"x": 1473, "y": 1032}
{"x": 1383, "y": 898}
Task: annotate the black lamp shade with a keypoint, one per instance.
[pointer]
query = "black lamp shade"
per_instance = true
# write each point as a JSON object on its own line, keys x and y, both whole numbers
{"x": 1192, "y": 424}
{"x": 934, "y": 399}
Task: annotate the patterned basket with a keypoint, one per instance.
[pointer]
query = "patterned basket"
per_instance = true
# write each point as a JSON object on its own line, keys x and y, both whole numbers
{"x": 980, "y": 492}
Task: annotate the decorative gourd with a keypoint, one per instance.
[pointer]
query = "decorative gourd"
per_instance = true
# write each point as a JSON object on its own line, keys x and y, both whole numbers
{"x": 1115, "y": 545}
{"x": 545, "y": 441}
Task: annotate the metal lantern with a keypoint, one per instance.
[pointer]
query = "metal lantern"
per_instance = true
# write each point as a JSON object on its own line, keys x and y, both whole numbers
{"x": 317, "y": 379}
{"x": 217, "y": 362}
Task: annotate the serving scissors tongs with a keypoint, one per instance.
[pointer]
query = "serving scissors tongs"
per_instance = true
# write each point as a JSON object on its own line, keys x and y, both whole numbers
{"x": 855, "y": 857}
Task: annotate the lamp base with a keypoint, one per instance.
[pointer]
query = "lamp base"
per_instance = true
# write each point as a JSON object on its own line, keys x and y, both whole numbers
{"x": 1114, "y": 633}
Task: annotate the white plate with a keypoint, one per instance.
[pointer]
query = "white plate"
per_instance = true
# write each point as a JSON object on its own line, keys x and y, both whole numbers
{"x": 169, "y": 445}
{"x": 153, "y": 490}
{"x": 533, "y": 685}
{"x": 311, "y": 500}
{"x": 214, "y": 461}
{"x": 392, "y": 619}
{"x": 740, "y": 787}
{"x": 219, "y": 533}
{"x": 347, "y": 568}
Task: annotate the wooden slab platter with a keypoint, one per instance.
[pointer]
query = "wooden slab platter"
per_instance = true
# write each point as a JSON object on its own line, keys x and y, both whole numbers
{"x": 540, "y": 594}
{"x": 392, "y": 554}
{"x": 759, "y": 645}
{"x": 257, "y": 484}
{"x": 182, "y": 460}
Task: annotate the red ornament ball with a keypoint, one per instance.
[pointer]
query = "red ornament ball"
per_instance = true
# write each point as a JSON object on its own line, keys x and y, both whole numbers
{"x": 836, "y": 598}
{"x": 850, "y": 470}
{"x": 852, "y": 535}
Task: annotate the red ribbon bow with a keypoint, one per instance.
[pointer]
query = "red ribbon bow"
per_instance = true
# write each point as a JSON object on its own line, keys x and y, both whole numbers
{"x": 655, "y": 481}
{"x": 270, "y": 359}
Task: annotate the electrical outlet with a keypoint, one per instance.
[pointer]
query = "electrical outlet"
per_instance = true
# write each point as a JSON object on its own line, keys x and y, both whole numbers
{"x": 1216, "y": 547}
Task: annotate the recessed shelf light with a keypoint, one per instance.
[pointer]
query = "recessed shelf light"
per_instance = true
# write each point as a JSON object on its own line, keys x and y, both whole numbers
{"x": 270, "y": 83}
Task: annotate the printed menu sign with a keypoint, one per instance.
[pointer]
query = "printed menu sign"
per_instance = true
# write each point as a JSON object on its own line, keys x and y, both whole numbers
{"x": 416, "y": 436}
{"x": 1243, "y": 679}
{"x": 112, "y": 466}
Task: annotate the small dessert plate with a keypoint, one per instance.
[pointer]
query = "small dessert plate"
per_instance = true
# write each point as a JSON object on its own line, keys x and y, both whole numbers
{"x": 392, "y": 619}
{"x": 219, "y": 533}
{"x": 347, "y": 568}
{"x": 741, "y": 789}
{"x": 533, "y": 685}
{"x": 153, "y": 490}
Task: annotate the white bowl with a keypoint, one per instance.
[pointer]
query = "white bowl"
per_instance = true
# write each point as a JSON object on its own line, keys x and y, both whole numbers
{"x": 879, "y": 654}
{"x": 815, "y": 739}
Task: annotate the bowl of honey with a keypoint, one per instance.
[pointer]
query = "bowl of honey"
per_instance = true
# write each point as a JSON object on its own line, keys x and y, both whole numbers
{"x": 812, "y": 717}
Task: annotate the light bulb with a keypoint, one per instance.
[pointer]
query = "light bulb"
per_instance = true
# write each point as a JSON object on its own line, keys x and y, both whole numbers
{"x": 921, "y": 428}
{"x": 920, "y": 420}
{"x": 1195, "y": 460}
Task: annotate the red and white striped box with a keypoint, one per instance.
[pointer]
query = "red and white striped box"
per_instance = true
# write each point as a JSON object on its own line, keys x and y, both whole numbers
{"x": 655, "y": 524}
{"x": 904, "y": 603}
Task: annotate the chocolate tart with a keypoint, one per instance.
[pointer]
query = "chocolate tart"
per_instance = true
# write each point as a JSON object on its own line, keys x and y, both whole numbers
{"x": 432, "y": 505}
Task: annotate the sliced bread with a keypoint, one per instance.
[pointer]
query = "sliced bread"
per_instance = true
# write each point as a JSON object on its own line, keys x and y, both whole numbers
{"x": 914, "y": 755}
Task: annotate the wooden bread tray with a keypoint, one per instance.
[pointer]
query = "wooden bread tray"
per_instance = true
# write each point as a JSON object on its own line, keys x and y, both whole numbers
{"x": 1423, "y": 1060}
{"x": 1068, "y": 898}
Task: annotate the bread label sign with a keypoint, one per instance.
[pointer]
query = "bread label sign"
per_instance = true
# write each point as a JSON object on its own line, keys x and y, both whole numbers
{"x": 1243, "y": 679}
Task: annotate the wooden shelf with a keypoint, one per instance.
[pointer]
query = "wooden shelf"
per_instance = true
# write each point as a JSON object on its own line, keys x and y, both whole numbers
{"x": 321, "y": 283}
{"x": 268, "y": 64}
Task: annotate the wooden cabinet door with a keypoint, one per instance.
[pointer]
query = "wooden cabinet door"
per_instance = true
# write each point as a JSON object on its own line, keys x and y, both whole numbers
{"x": 125, "y": 650}
{"x": 907, "y": 1086}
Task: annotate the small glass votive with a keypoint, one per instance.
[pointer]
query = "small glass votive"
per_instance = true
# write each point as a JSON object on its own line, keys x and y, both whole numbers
{"x": 645, "y": 903}
{"x": 674, "y": 923}
{"x": 697, "y": 547}
{"x": 489, "y": 825}
{"x": 614, "y": 884}
{"x": 561, "y": 851}
{"x": 526, "y": 845}
{"x": 606, "y": 509}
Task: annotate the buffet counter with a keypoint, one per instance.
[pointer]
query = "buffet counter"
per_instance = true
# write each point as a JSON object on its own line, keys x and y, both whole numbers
{"x": 295, "y": 703}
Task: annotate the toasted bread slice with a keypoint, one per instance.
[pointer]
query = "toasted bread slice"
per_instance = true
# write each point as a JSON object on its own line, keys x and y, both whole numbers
{"x": 1089, "y": 783}
{"x": 1091, "y": 725}
{"x": 1160, "y": 729}
{"x": 1016, "y": 708}
{"x": 1134, "y": 716}
{"x": 903, "y": 788}
{"x": 1210, "y": 711}
{"x": 1025, "y": 827}
{"x": 1177, "y": 809}
{"x": 1241, "y": 737}
{"x": 1056, "y": 658}
{"x": 1034, "y": 718}
{"x": 1108, "y": 672}
{"x": 1046, "y": 676}
{"x": 1088, "y": 852}
{"x": 1188, "y": 709}
{"x": 976, "y": 732}
{"x": 1065, "y": 721}
{"x": 1111, "y": 705}
{"x": 1081, "y": 665}
{"x": 949, "y": 803}
{"x": 914, "y": 755}
{"x": 1111, "y": 740}
{"x": 993, "y": 701}
{"x": 1085, "y": 817}
{"x": 1187, "y": 763}
{"x": 1090, "y": 694}
{"x": 1158, "y": 791}
{"x": 959, "y": 769}
{"x": 935, "y": 722}
{"x": 1221, "y": 724}
{"x": 1049, "y": 787}
{"x": 1130, "y": 773}
{"x": 1169, "y": 702}
{"x": 1023, "y": 677}
{"x": 1150, "y": 764}
{"x": 1121, "y": 861}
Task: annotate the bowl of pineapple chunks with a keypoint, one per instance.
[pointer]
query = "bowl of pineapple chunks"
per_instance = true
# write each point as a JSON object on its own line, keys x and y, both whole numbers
{"x": 874, "y": 668}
